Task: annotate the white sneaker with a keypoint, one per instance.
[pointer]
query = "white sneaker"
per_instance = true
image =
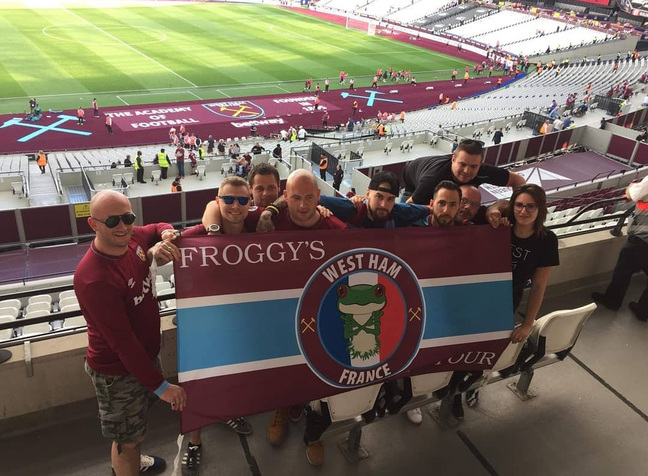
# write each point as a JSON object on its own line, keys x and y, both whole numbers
{"x": 415, "y": 416}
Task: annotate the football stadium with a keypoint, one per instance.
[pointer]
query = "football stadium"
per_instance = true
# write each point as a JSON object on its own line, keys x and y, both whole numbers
{"x": 496, "y": 150}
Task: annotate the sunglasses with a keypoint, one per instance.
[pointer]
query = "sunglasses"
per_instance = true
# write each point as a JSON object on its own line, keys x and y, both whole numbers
{"x": 113, "y": 220}
{"x": 229, "y": 199}
{"x": 531, "y": 207}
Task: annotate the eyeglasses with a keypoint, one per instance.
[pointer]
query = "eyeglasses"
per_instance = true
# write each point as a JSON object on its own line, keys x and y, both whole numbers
{"x": 113, "y": 220}
{"x": 465, "y": 201}
{"x": 229, "y": 199}
{"x": 530, "y": 207}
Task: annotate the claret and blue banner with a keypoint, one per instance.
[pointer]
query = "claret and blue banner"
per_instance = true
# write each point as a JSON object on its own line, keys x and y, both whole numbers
{"x": 269, "y": 320}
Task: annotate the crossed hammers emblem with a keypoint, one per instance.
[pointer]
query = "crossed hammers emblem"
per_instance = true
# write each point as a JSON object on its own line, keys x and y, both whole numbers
{"x": 414, "y": 314}
{"x": 307, "y": 325}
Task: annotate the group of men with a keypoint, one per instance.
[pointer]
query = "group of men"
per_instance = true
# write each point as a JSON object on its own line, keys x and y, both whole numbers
{"x": 115, "y": 285}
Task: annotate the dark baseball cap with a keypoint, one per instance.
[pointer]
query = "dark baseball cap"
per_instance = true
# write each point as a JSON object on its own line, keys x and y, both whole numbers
{"x": 385, "y": 181}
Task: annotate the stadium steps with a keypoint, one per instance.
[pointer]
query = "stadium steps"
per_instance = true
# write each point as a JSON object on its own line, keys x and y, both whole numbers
{"x": 42, "y": 190}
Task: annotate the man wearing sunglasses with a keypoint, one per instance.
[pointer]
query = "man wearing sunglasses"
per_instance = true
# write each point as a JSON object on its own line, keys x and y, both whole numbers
{"x": 265, "y": 186}
{"x": 422, "y": 175}
{"x": 233, "y": 202}
{"x": 115, "y": 289}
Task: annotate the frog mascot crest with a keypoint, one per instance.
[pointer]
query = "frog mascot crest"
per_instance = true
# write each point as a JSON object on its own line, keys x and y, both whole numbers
{"x": 361, "y": 306}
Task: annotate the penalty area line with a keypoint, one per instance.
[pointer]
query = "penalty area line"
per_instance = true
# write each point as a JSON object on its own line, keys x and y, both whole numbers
{"x": 122, "y": 101}
{"x": 194, "y": 95}
{"x": 284, "y": 90}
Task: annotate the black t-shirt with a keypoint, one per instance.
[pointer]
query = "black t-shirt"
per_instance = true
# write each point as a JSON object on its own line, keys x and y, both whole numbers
{"x": 422, "y": 175}
{"x": 528, "y": 254}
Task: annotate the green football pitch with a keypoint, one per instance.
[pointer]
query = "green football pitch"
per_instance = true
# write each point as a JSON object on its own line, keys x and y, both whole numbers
{"x": 139, "y": 55}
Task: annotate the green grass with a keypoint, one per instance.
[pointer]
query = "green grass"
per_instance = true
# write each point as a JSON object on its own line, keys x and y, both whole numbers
{"x": 65, "y": 57}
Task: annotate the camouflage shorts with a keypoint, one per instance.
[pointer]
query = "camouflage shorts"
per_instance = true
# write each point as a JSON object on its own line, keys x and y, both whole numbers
{"x": 123, "y": 404}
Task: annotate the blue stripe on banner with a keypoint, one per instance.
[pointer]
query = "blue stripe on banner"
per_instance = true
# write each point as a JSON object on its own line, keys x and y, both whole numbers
{"x": 207, "y": 335}
{"x": 467, "y": 309}
{"x": 269, "y": 326}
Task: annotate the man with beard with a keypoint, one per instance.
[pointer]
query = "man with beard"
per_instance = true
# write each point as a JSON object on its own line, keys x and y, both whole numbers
{"x": 444, "y": 204}
{"x": 378, "y": 208}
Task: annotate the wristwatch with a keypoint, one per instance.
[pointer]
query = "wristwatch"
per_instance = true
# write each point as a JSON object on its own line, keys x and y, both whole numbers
{"x": 213, "y": 228}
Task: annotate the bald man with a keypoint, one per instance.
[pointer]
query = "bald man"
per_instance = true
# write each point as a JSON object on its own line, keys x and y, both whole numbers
{"x": 471, "y": 211}
{"x": 115, "y": 289}
{"x": 302, "y": 197}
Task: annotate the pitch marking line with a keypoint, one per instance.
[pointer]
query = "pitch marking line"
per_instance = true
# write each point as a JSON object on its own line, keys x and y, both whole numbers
{"x": 129, "y": 46}
{"x": 194, "y": 95}
{"x": 122, "y": 100}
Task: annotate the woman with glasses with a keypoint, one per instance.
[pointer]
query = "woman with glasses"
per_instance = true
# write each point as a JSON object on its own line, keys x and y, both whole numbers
{"x": 534, "y": 249}
{"x": 534, "y": 252}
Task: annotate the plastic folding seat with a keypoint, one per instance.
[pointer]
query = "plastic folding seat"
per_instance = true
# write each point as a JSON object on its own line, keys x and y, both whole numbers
{"x": 172, "y": 280}
{"x": 388, "y": 148}
{"x": 162, "y": 286}
{"x": 17, "y": 188}
{"x": 10, "y": 311}
{"x": 40, "y": 298}
{"x": 155, "y": 176}
{"x": 36, "y": 329}
{"x": 11, "y": 303}
{"x": 200, "y": 171}
{"x": 68, "y": 301}
{"x": 128, "y": 178}
{"x": 552, "y": 337}
{"x": 66, "y": 294}
{"x": 159, "y": 278}
{"x": 428, "y": 383}
{"x": 76, "y": 321}
{"x": 71, "y": 308}
{"x": 117, "y": 180}
{"x": 38, "y": 306}
{"x": 166, "y": 303}
{"x": 347, "y": 405}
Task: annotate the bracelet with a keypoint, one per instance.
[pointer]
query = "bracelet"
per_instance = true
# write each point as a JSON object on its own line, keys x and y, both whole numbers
{"x": 272, "y": 208}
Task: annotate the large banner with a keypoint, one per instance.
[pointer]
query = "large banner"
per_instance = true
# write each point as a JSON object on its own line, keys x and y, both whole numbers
{"x": 270, "y": 320}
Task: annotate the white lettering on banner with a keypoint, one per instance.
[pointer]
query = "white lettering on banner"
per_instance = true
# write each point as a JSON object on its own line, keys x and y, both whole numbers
{"x": 254, "y": 253}
{"x": 359, "y": 377}
{"x": 168, "y": 122}
{"x": 474, "y": 357}
{"x": 289, "y": 100}
{"x": 149, "y": 112}
{"x": 352, "y": 262}
{"x": 257, "y": 123}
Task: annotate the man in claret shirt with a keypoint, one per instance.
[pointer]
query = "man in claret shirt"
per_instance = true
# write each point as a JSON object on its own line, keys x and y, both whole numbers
{"x": 115, "y": 289}
{"x": 301, "y": 197}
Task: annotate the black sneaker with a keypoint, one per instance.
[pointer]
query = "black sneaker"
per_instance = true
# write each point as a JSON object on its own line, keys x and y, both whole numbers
{"x": 604, "y": 300}
{"x": 151, "y": 464}
{"x": 191, "y": 460}
{"x": 472, "y": 397}
{"x": 457, "y": 408}
{"x": 634, "y": 307}
{"x": 240, "y": 426}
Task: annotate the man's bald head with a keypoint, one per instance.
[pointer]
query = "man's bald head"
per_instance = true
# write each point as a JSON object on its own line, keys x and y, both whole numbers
{"x": 109, "y": 203}
{"x": 107, "y": 199}
{"x": 303, "y": 177}
{"x": 302, "y": 196}
{"x": 470, "y": 203}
